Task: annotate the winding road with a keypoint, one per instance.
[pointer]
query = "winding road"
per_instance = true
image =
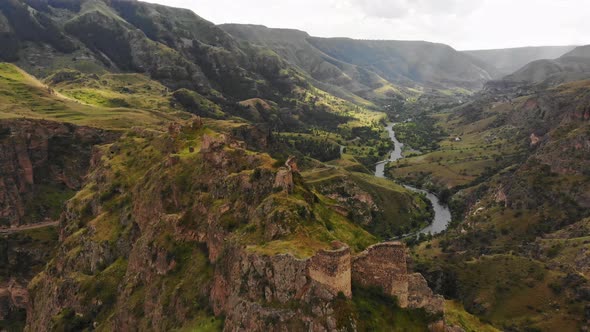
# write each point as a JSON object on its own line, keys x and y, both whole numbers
{"x": 442, "y": 214}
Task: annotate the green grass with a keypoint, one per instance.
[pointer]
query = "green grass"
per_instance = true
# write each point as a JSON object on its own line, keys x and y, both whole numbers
{"x": 104, "y": 286}
{"x": 480, "y": 152}
{"x": 316, "y": 234}
{"x": 399, "y": 210}
{"x": 508, "y": 291}
{"x": 203, "y": 324}
{"x": 455, "y": 315}
{"x": 47, "y": 202}
{"x": 374, "y": 311}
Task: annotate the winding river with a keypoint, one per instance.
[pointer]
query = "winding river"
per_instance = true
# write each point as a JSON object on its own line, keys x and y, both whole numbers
{"x": 442, "y": 214}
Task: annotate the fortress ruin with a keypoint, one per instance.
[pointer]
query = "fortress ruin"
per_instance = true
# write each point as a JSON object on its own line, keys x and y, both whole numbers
{"x": 382, "y": 265}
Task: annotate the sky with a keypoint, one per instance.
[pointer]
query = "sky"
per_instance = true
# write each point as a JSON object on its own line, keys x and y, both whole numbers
{"x": 463, "y": 24}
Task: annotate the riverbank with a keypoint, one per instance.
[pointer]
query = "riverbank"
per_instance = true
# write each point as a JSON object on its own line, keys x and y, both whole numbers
{"x": 442, "y": 213}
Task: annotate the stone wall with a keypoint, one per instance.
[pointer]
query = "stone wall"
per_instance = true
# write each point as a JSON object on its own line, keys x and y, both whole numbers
{"x": 332, "y": 268}
{"x": 246, "y": 282}
{"x": 383, "y": 265}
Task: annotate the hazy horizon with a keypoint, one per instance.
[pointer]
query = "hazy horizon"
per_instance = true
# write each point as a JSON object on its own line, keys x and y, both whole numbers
{"x": 462, "y": 24}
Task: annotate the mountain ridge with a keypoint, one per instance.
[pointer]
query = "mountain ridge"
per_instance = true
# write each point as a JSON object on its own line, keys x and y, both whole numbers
{"x": 509, "y": 60}
{"x": 572, "y": 66}
{"x": 396, "y": 71}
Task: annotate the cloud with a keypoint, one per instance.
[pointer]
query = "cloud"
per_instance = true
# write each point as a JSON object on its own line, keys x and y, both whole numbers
{"x": 397, "y": 9}
{"x": 383, "y": 8}
{"x": 463, "y": 24}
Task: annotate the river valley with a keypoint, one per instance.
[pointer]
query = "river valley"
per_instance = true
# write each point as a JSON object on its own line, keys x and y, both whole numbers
{"x": 442, "y": 214}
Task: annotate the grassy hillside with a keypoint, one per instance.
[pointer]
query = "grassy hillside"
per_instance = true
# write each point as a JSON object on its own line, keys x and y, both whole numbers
{"x": 196, "y": 179}
{"x": 382, "y": 207}
{"x": 122, "y": 177}
{"x": 24, "y": 96}
{"x": 516, "y": 166}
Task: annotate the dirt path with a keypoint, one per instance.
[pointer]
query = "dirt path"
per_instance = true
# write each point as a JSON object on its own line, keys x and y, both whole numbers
{"x": 28, "y": 227}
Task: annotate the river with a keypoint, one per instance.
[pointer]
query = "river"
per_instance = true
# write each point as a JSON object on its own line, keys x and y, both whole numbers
{"x": 442, "y": 214}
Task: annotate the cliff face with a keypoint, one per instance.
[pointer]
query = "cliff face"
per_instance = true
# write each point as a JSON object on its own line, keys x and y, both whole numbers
{"x": 42, "y": 164}
{"x": 22, "y": 255}
{"x": 257, "y": 293}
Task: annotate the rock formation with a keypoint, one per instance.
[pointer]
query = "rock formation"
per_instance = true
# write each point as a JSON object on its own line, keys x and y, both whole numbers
{"x": 37, "y": 155}
{"x": 284, "y": 179}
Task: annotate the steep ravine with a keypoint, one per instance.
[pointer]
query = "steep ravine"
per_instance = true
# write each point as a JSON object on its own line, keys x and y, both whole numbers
{"x": 442, "y": 214}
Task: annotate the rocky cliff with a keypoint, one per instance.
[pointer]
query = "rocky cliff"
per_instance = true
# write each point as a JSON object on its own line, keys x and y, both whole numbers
{"x": 42, "y": 164}
{"x": 23, "y": 254}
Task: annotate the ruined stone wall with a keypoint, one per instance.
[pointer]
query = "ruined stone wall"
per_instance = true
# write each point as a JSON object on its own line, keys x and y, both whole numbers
{"x": 383, "y": 265}
{"x": 248, "y": 281}
{"x": 332, "y": 268}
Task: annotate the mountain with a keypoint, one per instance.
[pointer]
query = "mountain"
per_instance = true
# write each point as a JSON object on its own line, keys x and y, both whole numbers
{"x": 509, "y": 60}
{"x": 572, "y": 66}
{"x": 173, "y": 46}
{"x": 340, "y": 78}
{"x": 370, "y": 68}
{"x": 410, "y": 62}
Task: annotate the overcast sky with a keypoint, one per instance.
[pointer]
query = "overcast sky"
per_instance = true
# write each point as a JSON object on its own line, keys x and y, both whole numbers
{"x": 463, "y": 24}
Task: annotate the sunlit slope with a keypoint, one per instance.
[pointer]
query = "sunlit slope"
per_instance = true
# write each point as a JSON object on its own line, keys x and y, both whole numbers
{"x": 517, "y": 254}
{"x": 22, "y": 96}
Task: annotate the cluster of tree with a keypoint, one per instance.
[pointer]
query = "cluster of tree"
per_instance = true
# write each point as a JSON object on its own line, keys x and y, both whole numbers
{"x": 320, "y": 149}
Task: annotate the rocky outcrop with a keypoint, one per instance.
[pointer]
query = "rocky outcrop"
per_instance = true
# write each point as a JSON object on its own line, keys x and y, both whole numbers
{"x": 284, "y": 179}
{"x": 255, "y": 293}
{"x": 40, "y": 158}
{"x": 421, "y": 296}
{"x": 183, "y": 237}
